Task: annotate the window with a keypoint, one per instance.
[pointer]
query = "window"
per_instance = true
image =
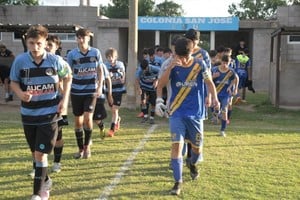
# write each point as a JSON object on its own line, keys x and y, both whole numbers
{"x": 294, "y": 39}
{"x": 66, "y": 37}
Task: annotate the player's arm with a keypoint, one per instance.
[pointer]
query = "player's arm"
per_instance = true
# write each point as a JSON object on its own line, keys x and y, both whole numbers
{"x": 100, "y": 79}
{"x": 212, "y": 92}
{"x": 66, "y": 80}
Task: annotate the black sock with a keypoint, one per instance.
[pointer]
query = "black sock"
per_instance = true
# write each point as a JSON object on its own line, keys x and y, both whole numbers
{"x": 112, "y": 126}
{"x": 189, "y": 150}
{"x": 79, "y": 138}
{"x": 101, "y": 125}
{"x": 88, "y": 135}
{"x": 58, "y": 153}
{"x": 39, "y": 178}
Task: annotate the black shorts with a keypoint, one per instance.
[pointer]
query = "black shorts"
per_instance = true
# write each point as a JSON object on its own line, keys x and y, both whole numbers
{"x": 41, "y": 137}
{"x": 150, "y": 96}
{"x": 100, "y": 111}
{"x": 4, "y": 73}
{"x": 83, "y": 103}
{"x": 117, "y": 97}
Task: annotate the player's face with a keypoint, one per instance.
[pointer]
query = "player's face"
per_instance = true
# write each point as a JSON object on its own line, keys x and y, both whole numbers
{"x": 36, "y": 46}
{"x": 112, "y": 58}
{"x": 83, "y": 41}
{"x": 51, "y": 47}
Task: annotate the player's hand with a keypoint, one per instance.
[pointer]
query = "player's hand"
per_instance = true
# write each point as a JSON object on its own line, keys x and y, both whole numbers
{"x": 160, "y": 107}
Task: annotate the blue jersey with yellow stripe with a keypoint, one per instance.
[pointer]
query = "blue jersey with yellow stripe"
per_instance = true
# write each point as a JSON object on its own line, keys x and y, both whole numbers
{"x": 42, "y": 81}
{"x": 193, "y": 104}
{"x": 223, "y": 81}
{"x": 84, "y": 67}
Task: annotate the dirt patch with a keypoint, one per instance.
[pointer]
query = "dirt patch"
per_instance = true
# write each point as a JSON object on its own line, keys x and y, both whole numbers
{"x": 246, "y": 107}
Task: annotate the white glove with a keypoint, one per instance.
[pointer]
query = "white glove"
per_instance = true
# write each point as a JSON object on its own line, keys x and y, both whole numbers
{"x": 160, "y": 107}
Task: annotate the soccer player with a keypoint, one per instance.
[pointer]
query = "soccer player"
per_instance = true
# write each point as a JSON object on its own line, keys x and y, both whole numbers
{"x": 116, "y": 71}
{"x": 4, "y": 72}
{"x": 226, "y": 82}
{"x": 35, "y": 77}
{"x": 87, "y": 82}
{"x": 244, "y": 70}
{"x": 146, "y": 85}
{"x": 100, "y": 111}
{"x": 199, "y": 53}
{"x": 188, "y": 77}
{"x": 53, "y": 44}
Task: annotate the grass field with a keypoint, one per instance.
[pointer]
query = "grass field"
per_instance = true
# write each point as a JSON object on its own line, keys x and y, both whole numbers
{"x": 259, "y": 159}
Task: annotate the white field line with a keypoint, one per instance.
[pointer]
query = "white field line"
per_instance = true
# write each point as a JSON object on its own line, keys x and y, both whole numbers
{"x": 10, "y": 122}
{"x": 126, "y": 165}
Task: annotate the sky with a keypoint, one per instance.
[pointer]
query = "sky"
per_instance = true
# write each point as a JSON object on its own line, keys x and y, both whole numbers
{"x": 192, "y": 8}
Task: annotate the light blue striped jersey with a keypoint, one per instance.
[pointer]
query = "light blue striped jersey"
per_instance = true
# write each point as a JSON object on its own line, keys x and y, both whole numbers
{"x": 42, "y": 81}
{"x": 84, "y": 67}
{"x": 147, "y": 77}
{"x": 117, "y": 73}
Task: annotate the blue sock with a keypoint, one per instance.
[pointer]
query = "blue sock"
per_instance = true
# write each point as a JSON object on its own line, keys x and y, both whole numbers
{"x": 177, "y": 169}
{"x": 223, "y": 125}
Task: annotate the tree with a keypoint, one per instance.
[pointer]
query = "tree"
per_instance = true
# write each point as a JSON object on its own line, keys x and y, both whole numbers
{"x": 119, "y": 9}
{"x": 255, "y": 9}
{"x": 168, "y": 8}
{"x": 19, "y": 2}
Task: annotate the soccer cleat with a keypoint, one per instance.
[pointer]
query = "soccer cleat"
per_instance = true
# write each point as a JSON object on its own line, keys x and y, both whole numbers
{"x": 45, "y": 189}
{"x": 151, "y": 121}
{"x": 35, "y": 197}
{"x": 32, "y": 173}
{"x": 140, "y": 115}
{"x": 144, "y": 120}
{"x": 117, "y": 126}
{"x": 222, "y": 134}
{"x": 56, "y": 167}
{"x": 194, "y": 172}
{"x": 111, "y": 133}
{"x": 78, "y": 155}
{"x": 176, "y": 189}
{"x": 87, "y": 152}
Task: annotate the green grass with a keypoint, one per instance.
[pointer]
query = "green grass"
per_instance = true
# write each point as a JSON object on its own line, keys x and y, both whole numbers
{"x": 259, "y": 159}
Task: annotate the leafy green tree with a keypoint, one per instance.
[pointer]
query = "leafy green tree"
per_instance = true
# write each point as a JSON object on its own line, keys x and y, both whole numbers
{"x": 168, "y": 8}
{"x": 119, "y": 9}
{"x": 19, "y": 2}
{"x": 255, "y": 9}
{"x": 294, "y": 2}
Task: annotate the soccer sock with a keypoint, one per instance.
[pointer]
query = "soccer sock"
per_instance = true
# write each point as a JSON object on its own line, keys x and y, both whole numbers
{"x": 229, "y": 114}
{"x": 195, "y": 158}
{"x": 101, "y": 125}
{"x": 177, "y": 169}
{"x": 33, "y": 164}
{"x": 88, "y": 135}
{"x": 152, "y": 113}
{"x": 79, "y": 138}
{"x": 40, "y": 176}
{"x": 223, "y": 125}
{"x": 112, "y": 126}
{"x": 57, "y": 153}
{"x": 189, "y": 150}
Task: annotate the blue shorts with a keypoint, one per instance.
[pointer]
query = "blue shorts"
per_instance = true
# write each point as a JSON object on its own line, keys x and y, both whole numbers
{"x": 224, "y": 101}
{"x": 187, "y": 129}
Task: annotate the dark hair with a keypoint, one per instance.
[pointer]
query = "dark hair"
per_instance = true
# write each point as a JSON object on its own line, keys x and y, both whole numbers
{"x": 144, "y": 64}
{"x": 212, "y": 53}
{"x": 151, "y": 52}
{"x": 55, "y": 39}
{"x": 192, "y": 34}
{"x": 83, "y": 32}
{"x": 174, "y": 39}
{"x": 226, "y": 58}
{"x": 184, "y": 46}
{"x": 167, "y": 50}
{"x": 36, "y": 31}
{"x": 220, "y": 49}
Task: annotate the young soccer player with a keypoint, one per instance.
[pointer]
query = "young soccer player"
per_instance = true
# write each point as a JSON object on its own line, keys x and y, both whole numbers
{"x": 35, "y": 77}
{"x": 85, "y": 62}
{"x": 116, "y": 71}
{"x": 226, "y": 82}
{"x": 146, "y": 85}
{"x": 188, "y": 77}
{"x": 53, "y": 44}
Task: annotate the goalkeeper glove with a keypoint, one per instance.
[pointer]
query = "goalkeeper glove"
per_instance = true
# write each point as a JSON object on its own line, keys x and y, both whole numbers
{"x": 160, "y": 107}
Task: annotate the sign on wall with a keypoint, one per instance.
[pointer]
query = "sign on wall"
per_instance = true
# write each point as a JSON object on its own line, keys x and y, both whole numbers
{"x": 184, "y": 23}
